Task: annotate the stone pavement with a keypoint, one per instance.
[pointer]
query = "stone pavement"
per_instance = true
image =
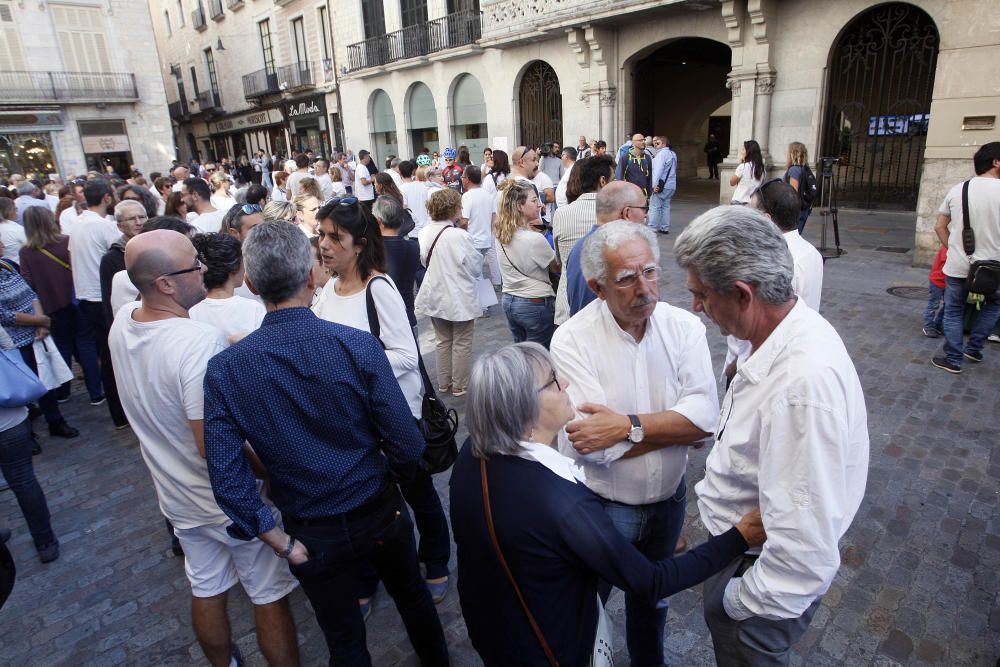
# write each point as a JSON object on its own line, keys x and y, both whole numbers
{"x": 918, "y": 585}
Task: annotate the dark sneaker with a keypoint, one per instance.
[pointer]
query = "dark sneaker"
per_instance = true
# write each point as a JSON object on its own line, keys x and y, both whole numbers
{"x": 175, "y": 546}
{"x": 438, "y": 591}
{"x": 930, "y": 333}
{"x": 49, "y": 552}
{"x": 944, "y": 364}
{"x": 98, "y": 400}
{"x": 61, "y": 429}
{"x": 973, "y": 356}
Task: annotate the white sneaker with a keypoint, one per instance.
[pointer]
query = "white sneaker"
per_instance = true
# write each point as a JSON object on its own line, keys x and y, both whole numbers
{"x": 993, "y": 338}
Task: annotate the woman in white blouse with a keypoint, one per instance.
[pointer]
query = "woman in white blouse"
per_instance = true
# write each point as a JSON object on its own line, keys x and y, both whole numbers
{"x": 221, "y": 199}
{"x": 749, "y": 173}
{"x": 448, "y": 293}
{"x": 234, "y": 315}
{"x": 351, "y": 249}
{"x": 525, "y": 261}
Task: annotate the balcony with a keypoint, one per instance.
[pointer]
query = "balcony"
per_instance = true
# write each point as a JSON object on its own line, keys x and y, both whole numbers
{"x": 215, "y": 10}
{"x": 286, "y": 78}
{"x": 178, "y": 111}
{"x": 448, "y": 32}
{"x": 234, "y": 4}
{"x": 68, "y": 87}
{"x": 198, "y": 19}
{"x": 209, "y": 102}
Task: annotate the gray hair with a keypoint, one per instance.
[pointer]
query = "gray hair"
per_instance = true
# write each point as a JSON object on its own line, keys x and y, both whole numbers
{"x": 611, "y": 236}
{"x": 277, "y": 258}
{"x": 124, "y": 204}
{"x": 503, "y": 401}
{"x": 388, "y": 211}
{"x": 737, "y": 243}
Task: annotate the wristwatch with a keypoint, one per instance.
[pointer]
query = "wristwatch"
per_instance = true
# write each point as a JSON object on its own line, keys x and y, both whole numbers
{"x": 635, "y": 434}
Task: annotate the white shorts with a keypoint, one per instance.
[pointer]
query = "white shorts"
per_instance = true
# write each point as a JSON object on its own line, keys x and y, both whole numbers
{"x": 214, "y": 561}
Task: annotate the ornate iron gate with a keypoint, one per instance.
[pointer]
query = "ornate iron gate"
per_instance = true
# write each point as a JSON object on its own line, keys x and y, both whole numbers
{"x": 540, "y": 105}
{"x": 880, "y": 88}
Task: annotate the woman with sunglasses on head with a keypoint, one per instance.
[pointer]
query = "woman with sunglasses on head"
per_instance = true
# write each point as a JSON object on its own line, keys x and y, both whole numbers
{"x": 525, "y": 261}
{"x": 351, "y": 248}
{"x": 749, "y": 173}
{"x": 234, "y": 315}
{"x": 553, "y": 532}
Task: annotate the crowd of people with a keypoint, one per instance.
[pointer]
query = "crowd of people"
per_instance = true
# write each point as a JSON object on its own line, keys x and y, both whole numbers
{"x": 258, "y": 333}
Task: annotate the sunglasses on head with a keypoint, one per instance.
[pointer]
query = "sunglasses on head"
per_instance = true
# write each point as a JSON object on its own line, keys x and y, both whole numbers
{"x": 250, "y": 209}
{"x": 341, "y": 201}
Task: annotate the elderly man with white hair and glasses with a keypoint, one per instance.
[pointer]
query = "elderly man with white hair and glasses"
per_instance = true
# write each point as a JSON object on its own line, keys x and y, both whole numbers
{"x": 640, "y": 376}
{"x": 792, "y": 436}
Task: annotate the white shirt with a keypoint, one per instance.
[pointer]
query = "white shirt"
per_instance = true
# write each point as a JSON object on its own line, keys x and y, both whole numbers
{"x": 531, "y": 254}
{"x": 571, "y": 223}
{"x": 394, "y": 330}
{"x": 12, "y": 237}
{"x": 235, "y": 316}
{"x": 477, "y": 207}
{"x": 490, "y": 186}
{"x": 325, "y": 185}
{"x": 984, "y": 218}
{"x": 67, "y": 219}
{"x": 669, "y": 369}
{"x": 363, "y": 192}
{"x": 449, "y": 288}
{"x": 292, "y": 184}
{"x": 245, "y": 292}
{"x": 91, "y": 238}
{"x": 122, "y": 291}
{"x": 52, "y": 201}
{"x": 222, "y": 202}
{"x": 415, "y": 195}
{"x": 208, "y": 223}
{"x": 160, "y": 369}
{"x": 561, "y": 199}
{"x": 396, "y": 177}
{"x": 747, "y": 185}
{"x": 560, "y": 465}
{"x": 792, "y": 438}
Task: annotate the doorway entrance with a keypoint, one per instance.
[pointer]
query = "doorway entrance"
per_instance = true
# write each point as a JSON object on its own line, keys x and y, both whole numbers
{"x": 540, "y": 105}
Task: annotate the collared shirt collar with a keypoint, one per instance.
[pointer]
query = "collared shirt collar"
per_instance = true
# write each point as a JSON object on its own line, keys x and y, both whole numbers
{"x": 616, "y": 328}
{"x": 758, "y": 365}
{"x": 558, "y": 464}
{"x": 283, "y": 315}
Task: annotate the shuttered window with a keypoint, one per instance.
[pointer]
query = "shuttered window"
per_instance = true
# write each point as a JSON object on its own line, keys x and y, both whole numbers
{"x": 81, "y": 38}
{"x": 11, "y": 53}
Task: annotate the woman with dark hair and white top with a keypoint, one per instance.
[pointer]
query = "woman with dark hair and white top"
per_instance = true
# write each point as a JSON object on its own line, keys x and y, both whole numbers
{"x": 235, "y": 315}
{"x": 351, "y": 248}
{"x": 749, "y": 173}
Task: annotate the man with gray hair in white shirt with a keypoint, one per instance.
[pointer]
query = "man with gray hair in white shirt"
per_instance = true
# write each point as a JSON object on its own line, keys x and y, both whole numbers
{"x": 792, "y": 437}
{"x": 640, "y": 376}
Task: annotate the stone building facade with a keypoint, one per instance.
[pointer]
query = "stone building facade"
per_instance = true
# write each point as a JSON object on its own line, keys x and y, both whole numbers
{"x": 81, "y": 88}
{"x": 243, "y": 75}
{"x": 900, "y": 94}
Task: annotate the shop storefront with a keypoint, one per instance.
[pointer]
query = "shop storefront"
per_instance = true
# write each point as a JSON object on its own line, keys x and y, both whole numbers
{"x": 247, "y": 133}
{"x": 106, "y": 144}
{"x": 27, "y": 145}
{"x": 307, "y": 124}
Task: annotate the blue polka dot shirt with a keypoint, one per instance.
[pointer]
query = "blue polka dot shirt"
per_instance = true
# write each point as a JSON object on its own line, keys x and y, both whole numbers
{"x": 320, "y": 406}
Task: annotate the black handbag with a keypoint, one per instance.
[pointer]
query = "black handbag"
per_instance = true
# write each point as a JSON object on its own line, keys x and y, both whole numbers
{"x": 437, "y": 423}
{"x": 984, "y": 275}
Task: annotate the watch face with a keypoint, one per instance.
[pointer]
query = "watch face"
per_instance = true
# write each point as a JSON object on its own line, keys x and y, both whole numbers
{"x": 637, "y": 434}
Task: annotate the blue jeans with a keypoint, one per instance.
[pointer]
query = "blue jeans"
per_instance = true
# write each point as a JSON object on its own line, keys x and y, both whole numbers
{"x": 659, "y": 210}
{"x": 435, "y": 540}
{"x": 72, "y": 340}
{"x": 654, "y": 530}
{"x": 93, "y": 320}
{"x": 338, "y": 548}
{"x": 803, "y": 216}
{"x": 530, "y": 319}
{"x": 955, "y": 296}
{"x": 15, "y": 463}
{"x": 934, "y": 313}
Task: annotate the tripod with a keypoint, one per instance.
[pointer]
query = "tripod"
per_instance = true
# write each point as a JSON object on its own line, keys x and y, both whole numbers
{"x": 828, "y": 208}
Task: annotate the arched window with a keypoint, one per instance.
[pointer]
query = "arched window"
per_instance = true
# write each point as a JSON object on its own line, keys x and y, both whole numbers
{"x": 540, "y": 105}
{"x": 384, "y": 141}
{"x": 469, "y": 116}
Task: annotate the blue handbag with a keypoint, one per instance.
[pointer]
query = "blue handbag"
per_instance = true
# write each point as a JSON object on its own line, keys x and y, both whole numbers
{"x": 19, "y": 386}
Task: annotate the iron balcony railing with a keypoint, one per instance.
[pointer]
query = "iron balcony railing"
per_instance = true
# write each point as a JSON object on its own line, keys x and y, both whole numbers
{"x": 198, "y": 18}
{"x": 208, "y": 100}
{"x": 68, "y": 86}
{"x": 285, "y": 78}
{"x": 448, "y": 32}
{"x": 178, "y": 111}
{"x": 215, "y": 10}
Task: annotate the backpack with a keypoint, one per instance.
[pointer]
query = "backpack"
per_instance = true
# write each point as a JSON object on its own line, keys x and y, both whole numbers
{"x": 808, "y": 188}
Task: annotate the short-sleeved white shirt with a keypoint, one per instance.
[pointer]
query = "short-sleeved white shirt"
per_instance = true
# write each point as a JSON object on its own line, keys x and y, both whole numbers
{"x": 233, "y": 316}
{"x": 747, "y": 185}
{"x": 160, "y": 369}
{"x": 92, "y": 236}
{"x": 363, "y": 192}
{"x": 477, "y": 207}
{"x": 415, "y": 194}
{"x": 209, "y": 223}
{"x": 531, "y": 254}
{"x": 12, "y": 237}
{"x": 984, "y": 218}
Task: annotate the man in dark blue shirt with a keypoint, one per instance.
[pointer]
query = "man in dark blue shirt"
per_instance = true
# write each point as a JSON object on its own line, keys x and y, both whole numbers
{"x": 321, "y": 408}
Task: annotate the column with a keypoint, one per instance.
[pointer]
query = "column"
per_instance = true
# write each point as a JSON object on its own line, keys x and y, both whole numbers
{"x": 763, "y": 88}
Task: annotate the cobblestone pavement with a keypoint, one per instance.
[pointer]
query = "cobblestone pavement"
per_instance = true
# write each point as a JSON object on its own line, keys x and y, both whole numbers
{"x": 918, "y": 585}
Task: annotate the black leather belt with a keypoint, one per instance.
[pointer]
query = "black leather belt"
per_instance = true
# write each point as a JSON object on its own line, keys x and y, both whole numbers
{"x": 745, "y": 564}
{"x": 378, "y": 501}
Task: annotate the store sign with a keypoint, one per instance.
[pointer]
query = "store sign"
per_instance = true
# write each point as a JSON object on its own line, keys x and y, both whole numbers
{"x": 246, "y": 121}
{"x": 307, "y": 108}
{"x": 106, "y": 144}
{"x": 38, "y": 119}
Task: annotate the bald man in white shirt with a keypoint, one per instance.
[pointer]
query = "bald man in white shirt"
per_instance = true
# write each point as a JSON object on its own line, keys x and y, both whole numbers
{"x": 792, "y": 437}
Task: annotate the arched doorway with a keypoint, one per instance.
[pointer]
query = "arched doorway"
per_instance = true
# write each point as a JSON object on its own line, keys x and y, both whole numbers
{"x": 540, "y": 105}
{"x": 880, "y": 88}
{"x": 422, "y": 117}
{"x": 469, "y": 115}
{"x": 384, "y": 141}
{"x": 680, "y": 92}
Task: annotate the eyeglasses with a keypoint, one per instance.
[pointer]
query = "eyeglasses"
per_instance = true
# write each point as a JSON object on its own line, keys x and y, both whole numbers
{"x": 198, "y": 263}
{"x": 553, "y": 381}
{"x": 649, "y": 274}
{"x": 341, "y": 201}
{"x": 644, "y": 208}
{"x": 136, "y": 218}
{"x": 250, "y": 209}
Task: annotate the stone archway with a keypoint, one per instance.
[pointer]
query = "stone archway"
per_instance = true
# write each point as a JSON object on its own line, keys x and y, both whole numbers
{"x": 540, "y": 105}
{"x": 383, "y": 121}
{"x": 421, "y": 117}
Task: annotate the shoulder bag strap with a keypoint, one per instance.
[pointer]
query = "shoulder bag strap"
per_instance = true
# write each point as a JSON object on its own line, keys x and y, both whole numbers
{"x": 373, "y": 324}
{"x": 55, "y": 259}
{"x": 968, "y": 235}
{"x": 506, "y": 570}
{"x": 512, "y": 263}
{"x": 431, "y": 251}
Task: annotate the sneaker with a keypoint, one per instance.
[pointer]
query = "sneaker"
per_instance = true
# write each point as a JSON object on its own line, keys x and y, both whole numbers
{"x": 944, "y": 364}
{"x": 973, "y": 356}
{"x": 61, "y": 429}
{"x": 98, "y": 400}
{"x": 366, "y": 608}
{"x": 993, "y": 338}
{"x": 438, "y": 591}
{"x": 237, "y": 657}
{"x": 4, "y": 535}
{"x": 459, "y": 392}
{"x": 444, "y": 390}
{"x": 49, "y": 552}
{"x": 122, "y": 427}
{"x": 930, "y": 333}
